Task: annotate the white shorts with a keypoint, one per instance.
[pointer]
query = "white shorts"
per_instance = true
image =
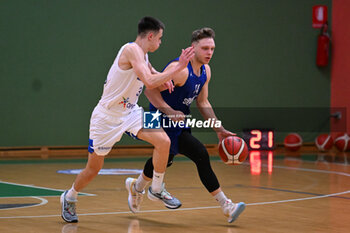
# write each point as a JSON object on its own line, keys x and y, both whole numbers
{"x": 107, "y": 128}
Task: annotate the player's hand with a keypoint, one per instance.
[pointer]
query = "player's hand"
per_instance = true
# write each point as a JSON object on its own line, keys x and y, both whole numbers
{"x": 222, "y": 133}
{"x": 176, "y": 115}
{"x": 169, "y": 85}
{"x": 186, "y": 55}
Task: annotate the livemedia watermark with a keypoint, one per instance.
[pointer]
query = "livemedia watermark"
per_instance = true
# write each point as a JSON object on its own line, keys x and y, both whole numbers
{"x": 157, "y": 120}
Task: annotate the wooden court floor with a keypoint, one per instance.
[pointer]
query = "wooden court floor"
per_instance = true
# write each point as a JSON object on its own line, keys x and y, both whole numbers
{"x": 297, "y": 193}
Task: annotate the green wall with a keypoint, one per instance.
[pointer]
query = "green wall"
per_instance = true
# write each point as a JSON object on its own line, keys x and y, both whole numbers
{"x": 55, "y": 56}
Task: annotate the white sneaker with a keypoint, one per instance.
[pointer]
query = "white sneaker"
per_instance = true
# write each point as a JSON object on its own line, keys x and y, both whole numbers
{"x": 135, "y": 198}
{"x": 232, "y": 210}
{"x": 68, "y": 209}
{"x": 164, "y": 196}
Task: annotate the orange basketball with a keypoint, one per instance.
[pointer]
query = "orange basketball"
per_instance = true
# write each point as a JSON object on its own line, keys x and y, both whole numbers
{"x": 233, "y": 150}
{"x": 293, "y": 142}
{"x": 324, "y": 142}
{"x": 342, "y": 142}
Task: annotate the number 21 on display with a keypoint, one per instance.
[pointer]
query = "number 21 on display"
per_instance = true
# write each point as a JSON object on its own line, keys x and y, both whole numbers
{"x": 261, "y": 139}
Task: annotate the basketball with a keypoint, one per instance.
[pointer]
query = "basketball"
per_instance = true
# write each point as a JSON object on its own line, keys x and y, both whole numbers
{"x": 293, "y": 142}
{"x": 233, "y": 150}
{"x": 324, "y": 142}
{"x": 342, "y": 142}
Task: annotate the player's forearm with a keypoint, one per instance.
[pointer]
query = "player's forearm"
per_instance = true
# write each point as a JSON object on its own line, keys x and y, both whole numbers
{"x": 206, "y": 109}
{"x": 155, "y": 80}
{"x": 156, "y": 99}
{"x": 207, "y": 112}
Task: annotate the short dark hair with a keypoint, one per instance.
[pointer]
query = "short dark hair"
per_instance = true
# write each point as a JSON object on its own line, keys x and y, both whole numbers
{"x": 147, "y": 24}
{"x": 202, "y": 33}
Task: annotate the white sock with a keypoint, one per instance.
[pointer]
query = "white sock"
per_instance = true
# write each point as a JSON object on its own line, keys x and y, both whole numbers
{"x": 157, "y": 181}
{"x": 72, "y": 195}
{"x": 141, "y": 183}
{"x": 221, "y": 198}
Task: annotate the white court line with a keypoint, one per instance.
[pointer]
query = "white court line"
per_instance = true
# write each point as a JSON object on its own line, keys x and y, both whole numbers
{"x": 211, "y": 207}
{"x": 311, "y": 170}
{"x": 27, "y": 197}
{"x": 182, "y": 209}
{"x": 300, "y": 199}
{"x": 43, "y": 202}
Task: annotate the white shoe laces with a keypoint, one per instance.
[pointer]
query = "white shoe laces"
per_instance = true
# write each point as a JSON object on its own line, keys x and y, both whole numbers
{"x": 71, "y": 207}
{"x": 165, "y": 194}
{"x": 228, "y": 207}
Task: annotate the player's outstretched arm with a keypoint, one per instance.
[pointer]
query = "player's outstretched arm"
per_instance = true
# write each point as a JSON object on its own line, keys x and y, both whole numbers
{"x": 167, "y": 85}
{"x": 136, "y": 58}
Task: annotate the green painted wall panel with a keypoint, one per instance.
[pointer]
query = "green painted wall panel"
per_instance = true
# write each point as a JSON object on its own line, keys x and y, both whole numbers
{"x": 55, "y": 56}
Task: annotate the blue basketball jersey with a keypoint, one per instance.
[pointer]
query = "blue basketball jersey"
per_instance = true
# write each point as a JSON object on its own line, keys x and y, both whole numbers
{"x": 181, "y": 98}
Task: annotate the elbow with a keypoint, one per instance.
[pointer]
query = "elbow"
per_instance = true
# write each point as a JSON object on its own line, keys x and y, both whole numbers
{"x": 203, "y": 104}
{"x": 199, "y": 103}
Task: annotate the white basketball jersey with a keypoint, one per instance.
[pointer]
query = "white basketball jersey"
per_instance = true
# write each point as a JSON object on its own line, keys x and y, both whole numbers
{"x": 122, "y": 88}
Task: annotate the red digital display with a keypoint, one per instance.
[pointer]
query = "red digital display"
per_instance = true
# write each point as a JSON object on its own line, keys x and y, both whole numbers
{"x": 259, "y": 139}
{"x": 255, "y": 159}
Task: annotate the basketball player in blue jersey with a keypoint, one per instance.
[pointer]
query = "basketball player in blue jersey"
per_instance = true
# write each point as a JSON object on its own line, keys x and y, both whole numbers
{"x": 117, "y": 113}
{"x": 191, "y": 83}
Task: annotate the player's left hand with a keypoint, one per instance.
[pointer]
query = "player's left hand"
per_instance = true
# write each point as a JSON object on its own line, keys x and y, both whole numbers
{"x": 169, "y": 85}
{"x": 223, "y": 133}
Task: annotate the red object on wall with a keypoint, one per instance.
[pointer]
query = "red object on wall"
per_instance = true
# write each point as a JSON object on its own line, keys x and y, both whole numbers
{"x": 323, "y": 40}
{"x": 319, "y": 16}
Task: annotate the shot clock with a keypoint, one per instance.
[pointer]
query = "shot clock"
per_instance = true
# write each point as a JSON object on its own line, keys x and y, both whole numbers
{"x": 259, "y": 139}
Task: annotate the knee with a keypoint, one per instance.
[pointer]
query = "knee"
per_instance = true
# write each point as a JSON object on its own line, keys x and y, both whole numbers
{"x": 202, "y": 156}
{"x": 166, "y": 141}
{"x": 203, "y": 151}
{"x": 163, "y": 142}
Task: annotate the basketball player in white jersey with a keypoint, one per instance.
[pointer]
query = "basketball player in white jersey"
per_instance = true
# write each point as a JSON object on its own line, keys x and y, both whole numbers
{"x": 117, "y": 112}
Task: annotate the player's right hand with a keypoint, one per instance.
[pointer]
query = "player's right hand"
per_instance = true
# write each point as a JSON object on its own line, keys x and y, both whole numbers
{"x": 186, "y": 55}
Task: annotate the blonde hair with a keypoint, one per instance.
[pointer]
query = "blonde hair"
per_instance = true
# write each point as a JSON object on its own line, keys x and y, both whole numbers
{"x": 202, "y": 33}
